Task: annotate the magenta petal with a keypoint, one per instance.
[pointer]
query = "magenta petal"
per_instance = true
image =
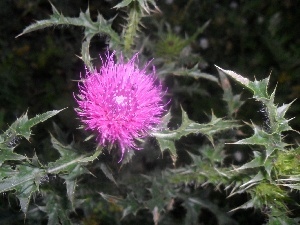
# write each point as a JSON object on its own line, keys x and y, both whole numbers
{"x": 120, "y": 103}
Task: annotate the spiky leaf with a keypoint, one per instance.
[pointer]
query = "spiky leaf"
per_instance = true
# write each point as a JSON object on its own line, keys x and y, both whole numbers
{"x": 166, "y": 137}
{"x": 143, "y": 4}
{"x": 7, "y": 154}
{"x": 130, "y": 204}
{"x": 70, "y": 165}
{"x": 195, "y": 73}
{"x": 131, "y": 29}
{"x": 91, "y": 28}
{"x": 22, "y": 126}
{"x": 24, "y": 181}
{"x": 57, "y": 208}
{"x": 108, "y": 172}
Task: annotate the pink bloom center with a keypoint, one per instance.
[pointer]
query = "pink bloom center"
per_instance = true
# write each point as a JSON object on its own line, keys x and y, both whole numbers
{"x": 121, "y": 102}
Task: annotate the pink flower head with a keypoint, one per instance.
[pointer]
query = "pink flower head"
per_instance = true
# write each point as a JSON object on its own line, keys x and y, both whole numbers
{"x": 120, "y": 102}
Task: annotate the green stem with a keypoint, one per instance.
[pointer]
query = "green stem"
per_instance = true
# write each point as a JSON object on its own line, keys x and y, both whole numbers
{"x": 134, "y": 18}
{"x": 61, "y": 167}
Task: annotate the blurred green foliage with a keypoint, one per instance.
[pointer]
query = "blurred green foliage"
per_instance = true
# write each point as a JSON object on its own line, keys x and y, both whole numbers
{"x": 254, "y": 37}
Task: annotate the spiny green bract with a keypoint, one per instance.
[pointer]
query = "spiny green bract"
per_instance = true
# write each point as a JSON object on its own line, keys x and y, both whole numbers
{"x": 269, "y": 195}
{"x": 169, "y": 46}
{"x": 288, "y": 162}
{"x": 274, "y": 170}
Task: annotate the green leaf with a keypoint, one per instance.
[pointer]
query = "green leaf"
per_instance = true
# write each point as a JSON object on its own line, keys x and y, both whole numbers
{"x": 257, "y": 161}
{"x": 70, "y": 157}
{"x": 292, "y": 186}
{"x": 24, "y": 192}
{"x": 259, "y": 88}
{"x": 292, "y": 178}
{"x": 6, "y": 155}
{"x": 195, "y": 73}
{"x": 108, "y": 173}
{"x": 282, "y": 220}
{"x": 70, "y": 165}
{"x": 269, "y": 165}
{"x": 168, "y": 144}
{"x": 71, "y": 185}
{"x": 222, "y": 217}
{"x": 144, "y": 4}
{"x": 166, "y": 137}
{"x": 23, "y": 174}
{"x": 257, "y": 178}
{"x": 193, "y": 210}
{"x": 282, "y": 124}
{"x": 160, "y": 195}
{"x": 215, "y": 154}
{"x": 71, "y": 181}
{"x": 130, "y": 204}
{"x": 92, "y": 157}
{"x": 85, "y": 53}
{"x": 57, "y": 208}
{"x": 127, "y": 157}
{"x": 84, "y": 20}
{"x": 244, "y": 81}
{"x": 24, "y": 182}
{"x": 249, "y": 204}
{"x": 91, "y": 28}
{"x": 281, "y": 111}
{"x": 23, "y": 125}
{"x": 25, "y": 128}
{"x": 6, "y": 171}
{"x": 68, "y": 160}
{"x": 260, "y": 137}
{"x": 123, "y": 3}
{"x": 233, "y": 101}
{"x": 271, "y": 141}
{"x": 165, "y": 121}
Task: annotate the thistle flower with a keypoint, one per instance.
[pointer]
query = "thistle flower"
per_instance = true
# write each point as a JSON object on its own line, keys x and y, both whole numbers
{"x": 120, "y": 102}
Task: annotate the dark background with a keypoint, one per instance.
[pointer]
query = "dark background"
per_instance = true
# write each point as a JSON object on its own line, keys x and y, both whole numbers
{"x": 37, "y": 70}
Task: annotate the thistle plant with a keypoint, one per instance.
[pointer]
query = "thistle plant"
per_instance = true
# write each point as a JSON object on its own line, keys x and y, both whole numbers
{"x": 185, "y": 168}
{"x": 120, "y": 103}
